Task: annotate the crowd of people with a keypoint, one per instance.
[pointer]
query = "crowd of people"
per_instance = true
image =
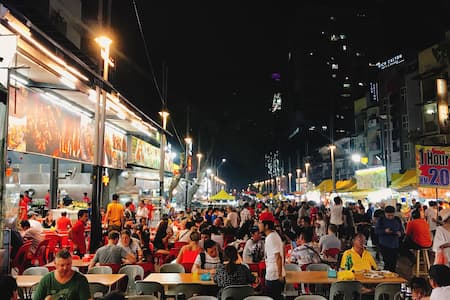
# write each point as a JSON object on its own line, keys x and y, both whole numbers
{"x": 226, "y": 242}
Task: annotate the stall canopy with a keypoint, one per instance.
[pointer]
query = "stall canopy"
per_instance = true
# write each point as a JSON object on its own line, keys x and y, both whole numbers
{"x": 343, "y": 186}
{"x": 405, "y": 181}
{"x": 222, "y": 195}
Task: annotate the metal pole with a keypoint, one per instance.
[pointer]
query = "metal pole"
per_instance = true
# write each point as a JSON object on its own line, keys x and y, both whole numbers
{"x": 162, "y": 158}
{"x": 186, "y": 177}
{"x": 333, "y": 175}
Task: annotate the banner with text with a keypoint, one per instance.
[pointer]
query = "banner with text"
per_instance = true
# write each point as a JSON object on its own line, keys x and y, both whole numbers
{"x": 433, "y": 166}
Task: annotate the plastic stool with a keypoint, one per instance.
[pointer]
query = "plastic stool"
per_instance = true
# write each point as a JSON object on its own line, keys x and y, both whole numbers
{"x": 426, "y": 261}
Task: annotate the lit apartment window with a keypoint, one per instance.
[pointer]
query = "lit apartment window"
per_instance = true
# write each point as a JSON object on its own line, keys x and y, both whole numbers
{"x": 405, "y": 122}
{"x": 333, "y": 38}
{"x": 342, "y": 37}
{"x": 344, "y": 47}
{"x": 347, "y": 85}
{"x": 334, "y": 66}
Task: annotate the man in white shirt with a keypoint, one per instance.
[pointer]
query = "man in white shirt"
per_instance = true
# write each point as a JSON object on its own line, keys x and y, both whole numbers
{"x": 233, "y": 217}
{"x": 206, "y": 262}
{"x": 336, "y": 215}
{"x": 431, "y": 215}
{"x": 34, "y": 223}
{"x": 274, "y": 248}
{"x": 245, "y": 214}
{"x": 440, "y": 282}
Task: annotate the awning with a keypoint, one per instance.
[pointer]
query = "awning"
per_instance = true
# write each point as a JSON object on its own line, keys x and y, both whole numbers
{"x": 405, "y": 181}
{"x": 222, "y": 195}
{"x": 326, "y": 186}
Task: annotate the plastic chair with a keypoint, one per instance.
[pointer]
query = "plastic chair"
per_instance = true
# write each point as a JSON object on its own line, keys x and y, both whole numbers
{"x": 115, "y": 267}
{"x": 317, "y": 267}
{"x": 35, "y": 271}
{"x": 347, "y": 288}
{"x": 142, "y": 297}
{"x": 389, "y": 289}
{"x": 100, "y": 270}
{"x": 21, "y": 261}
{"x": 203, "y": 298}
{"x": 188, "y": 289}
{"x": 172, "y": 268}
{"x": 53, "y": 246}
{"x": 39, "y": 258}
{"x": 310, "y": 297}
{"x": 258, "y": 298}
{"x": 292, "y": 267}
{"x": 133, "y": 272}
{"x": 98, "y": 290}
{"x": 150, "y": 288}
{"x": 179, "y": 244}
{"x": 289, "y": 289}
{"x": 237, "y": 292}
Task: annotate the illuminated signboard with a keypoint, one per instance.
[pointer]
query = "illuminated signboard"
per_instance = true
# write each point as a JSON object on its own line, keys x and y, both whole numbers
{"x": 398, "y": 59}
{"x": 373, "y": 90}
{"x": 432, "y": 164}
{"x": 372, "y": 178}
{"x": 115, "y": 148}
{"x": 37, "y": 124}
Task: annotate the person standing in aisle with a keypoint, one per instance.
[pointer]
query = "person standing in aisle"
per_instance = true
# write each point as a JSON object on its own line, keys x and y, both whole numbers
{"x": 274, "y": 249}
{"x": 76, "y": 234}
{"x": 115, "y": 214}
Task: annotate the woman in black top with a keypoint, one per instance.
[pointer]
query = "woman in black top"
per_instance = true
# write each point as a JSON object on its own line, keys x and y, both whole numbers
{"x": 231, "y": 273}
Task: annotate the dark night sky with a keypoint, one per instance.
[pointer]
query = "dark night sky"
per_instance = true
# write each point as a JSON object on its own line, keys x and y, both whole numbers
{"x": 220, "y": 57}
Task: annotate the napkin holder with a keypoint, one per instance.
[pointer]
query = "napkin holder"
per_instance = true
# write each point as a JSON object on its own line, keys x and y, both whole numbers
{"x": 332, "y": 273}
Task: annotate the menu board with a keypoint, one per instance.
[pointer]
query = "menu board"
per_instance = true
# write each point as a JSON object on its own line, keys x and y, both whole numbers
{"x": 38, "y": 125}
{"x": 115, "y": 148}
{"x": 143, "y": 154}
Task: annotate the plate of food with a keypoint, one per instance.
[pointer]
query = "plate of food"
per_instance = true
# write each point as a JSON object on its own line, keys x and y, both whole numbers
{"x": 373, "y": 275}
{"x": 389, "y": 274}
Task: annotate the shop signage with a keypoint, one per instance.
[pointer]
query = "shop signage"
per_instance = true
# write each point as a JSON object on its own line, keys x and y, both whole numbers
{"x": 143, "y": 154}
{"x": 371, "y": 178}
{"x": 38, "y": 125}
{"x": 433, "y": 166}
{"x": 115, "y": 148}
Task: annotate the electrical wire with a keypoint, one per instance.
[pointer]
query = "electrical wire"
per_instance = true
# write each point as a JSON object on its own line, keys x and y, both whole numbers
{"x": 147, "y": 55}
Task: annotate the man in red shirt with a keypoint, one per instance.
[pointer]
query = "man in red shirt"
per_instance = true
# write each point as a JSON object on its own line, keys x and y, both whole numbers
{"x": 47, "y": 199}
{"x": 417, "y": 235}
{"x": 76, "y": 234}
{"x": 26, "y": 197}
{"x": 86, "y": 198}
{"x": 63, "y": 223}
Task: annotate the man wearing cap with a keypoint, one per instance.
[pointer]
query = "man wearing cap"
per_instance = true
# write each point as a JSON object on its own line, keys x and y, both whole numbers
{"x": 34, "y": 223}
{"x": 254, "y": 247}
{"x": 274, "y": 249}
{"x": 442, "y": 236}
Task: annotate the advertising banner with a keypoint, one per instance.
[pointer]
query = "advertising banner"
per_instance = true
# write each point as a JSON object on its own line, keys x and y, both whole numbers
{"x": 433, "y": 166}
{"x": 371, "y": 178}
{"x": 38, "y": 125}
{"x": 143, "y": 154}
{"x": 115, "y": 148}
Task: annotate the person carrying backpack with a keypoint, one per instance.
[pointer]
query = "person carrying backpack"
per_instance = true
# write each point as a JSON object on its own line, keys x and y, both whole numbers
{"x": 207, "y": 261}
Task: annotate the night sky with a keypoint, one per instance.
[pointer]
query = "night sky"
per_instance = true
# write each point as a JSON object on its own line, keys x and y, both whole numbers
{"x": 220, "y": 56}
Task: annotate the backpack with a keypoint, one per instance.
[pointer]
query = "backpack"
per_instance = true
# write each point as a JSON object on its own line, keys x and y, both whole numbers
{"x": 203, "y": 259}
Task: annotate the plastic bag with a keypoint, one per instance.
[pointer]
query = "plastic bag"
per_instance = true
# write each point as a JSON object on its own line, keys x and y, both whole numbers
{"x": 441, "y": 258}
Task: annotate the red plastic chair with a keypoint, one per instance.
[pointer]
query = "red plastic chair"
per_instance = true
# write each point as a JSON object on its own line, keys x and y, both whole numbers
{"x": 115, "y": 267}
{"x": 53, "y": 246}
{"x": 39, "y": 258}
{"x": 21, "y": 261}
{"x": 174, "y": 252}
{"x": 188, "y": 267}
{"x": 179, "y": 244}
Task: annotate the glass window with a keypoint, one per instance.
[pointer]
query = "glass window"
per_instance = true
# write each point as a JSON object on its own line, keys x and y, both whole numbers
{"x": 405, "y": 122}
{"x": 430, "y": 118}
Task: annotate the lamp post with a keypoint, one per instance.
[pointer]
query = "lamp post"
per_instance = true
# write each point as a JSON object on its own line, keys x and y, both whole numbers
{"x": 188, "y": 142}
{"x": 162, "y": 151}
{"x": 297, "y": 180}
{"x": 224, "y": 160}
{"x": 356, "y": 158}
{"x": 333, "y": 171}
{"x": 199, "y": 158}
{"x": 96, "y": 233}
{"x": 290, "y": 177}
{"x": 208, "y": 173}
{"x": 307, "y": 165}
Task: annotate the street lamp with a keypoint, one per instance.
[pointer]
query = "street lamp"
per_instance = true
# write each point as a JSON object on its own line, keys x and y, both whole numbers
{"x": 224, "y": 160}
{"x": 297, "y": 181}
{"x": 208, "y": 173}
{"x": 162, "y": 158}
{"x": 307, "y": 165}
{"x": 188, "y": 142}
{"x": 199, "y": 158}
{"x": 333, "y": 171}
{"x": 99, "y": 132}
{"x": 290, "y": 177}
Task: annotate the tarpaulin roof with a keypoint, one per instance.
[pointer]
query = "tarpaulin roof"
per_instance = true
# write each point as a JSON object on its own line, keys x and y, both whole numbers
{"x": 405, "y": 180}
{"x": 222, "y": 195}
